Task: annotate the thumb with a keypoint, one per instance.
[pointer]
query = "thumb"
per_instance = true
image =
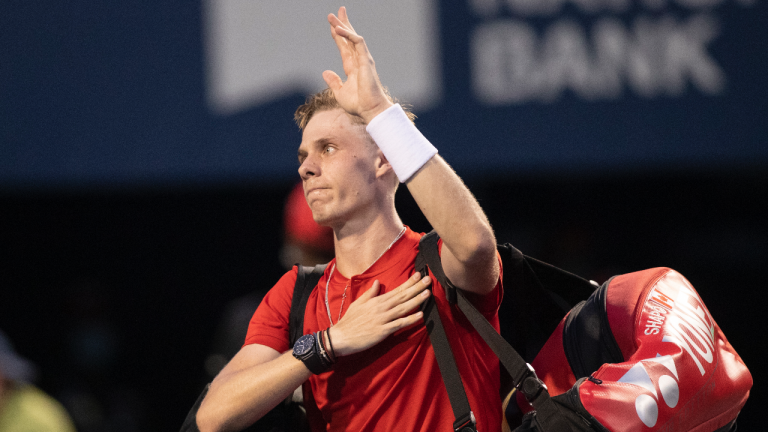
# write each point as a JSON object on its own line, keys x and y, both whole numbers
{"x": 333, "y": 80}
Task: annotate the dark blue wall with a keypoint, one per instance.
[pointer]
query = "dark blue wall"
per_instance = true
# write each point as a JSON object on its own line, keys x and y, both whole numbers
{"x": 114, "y": 94}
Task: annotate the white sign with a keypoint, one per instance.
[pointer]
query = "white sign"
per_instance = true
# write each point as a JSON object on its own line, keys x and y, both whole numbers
{"x": 260, "y": 50}
{"x": 651, "y": 55}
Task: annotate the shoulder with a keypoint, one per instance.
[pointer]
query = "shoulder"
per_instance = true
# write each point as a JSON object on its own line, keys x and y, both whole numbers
{"x": 269, "y": 324}
{"x": 282, "y": 291}
{"x": 289, "y": 278}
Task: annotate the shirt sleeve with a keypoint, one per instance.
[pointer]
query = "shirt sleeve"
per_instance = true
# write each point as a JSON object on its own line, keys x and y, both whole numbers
{"x": 486, "y": 304}
{"x": 270, "y": 323}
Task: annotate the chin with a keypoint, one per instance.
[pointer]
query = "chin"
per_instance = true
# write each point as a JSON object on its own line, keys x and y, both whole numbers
{"x": 328, "y": 219}
{"x": 324, "y": 222}
{"x": 322, "y": 218}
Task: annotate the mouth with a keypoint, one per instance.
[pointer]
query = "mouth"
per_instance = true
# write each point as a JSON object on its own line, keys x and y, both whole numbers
{"x": 315, "y": 190}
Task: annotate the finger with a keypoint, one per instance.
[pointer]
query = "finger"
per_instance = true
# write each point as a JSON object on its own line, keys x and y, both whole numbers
{"x": 405, "y": 321}
{"x": 343, "y": 17}
{"x": 408, "y": 283}
{"x": 411, "y": 289}
{"x": 335, "y": 21}
{"x": 348, "y": 34}
{"x": 332, "y": 80}
{"x": 342, "y": 42}
{"x": 411, "y": 304}
{"x": 337, "y": 24}
{"x": 371, "y": 292}
{"x": 416, "y": 288}
{"x": 341, "y": 27}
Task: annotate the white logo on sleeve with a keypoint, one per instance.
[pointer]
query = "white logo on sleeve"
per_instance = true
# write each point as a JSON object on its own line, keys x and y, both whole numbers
{"x": 259, "y": 51}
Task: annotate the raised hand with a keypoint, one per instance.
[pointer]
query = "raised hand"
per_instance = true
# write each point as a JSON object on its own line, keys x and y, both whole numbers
{"x": 371, "y": 318}
{"x": 362, "y": 93}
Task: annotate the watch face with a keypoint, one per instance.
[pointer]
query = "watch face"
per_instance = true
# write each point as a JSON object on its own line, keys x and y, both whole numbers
{"x": 304, "y": 345}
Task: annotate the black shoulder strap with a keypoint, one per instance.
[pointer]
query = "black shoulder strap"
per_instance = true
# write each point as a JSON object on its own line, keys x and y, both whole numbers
{"x": 306, "y": 280}
{"x": 430, "y": 255}
{"x": 523, "y": 377}
{"x": 464, "y": 419}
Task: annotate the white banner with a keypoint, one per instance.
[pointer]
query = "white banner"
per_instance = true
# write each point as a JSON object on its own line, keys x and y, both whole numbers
{"x": 261, "y": 50}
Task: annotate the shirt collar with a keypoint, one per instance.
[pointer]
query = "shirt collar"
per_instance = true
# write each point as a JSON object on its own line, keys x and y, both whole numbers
{"x": 404, "y": 249}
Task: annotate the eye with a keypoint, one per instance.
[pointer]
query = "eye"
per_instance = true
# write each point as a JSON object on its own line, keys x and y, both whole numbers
{"x": 329, "y": 149}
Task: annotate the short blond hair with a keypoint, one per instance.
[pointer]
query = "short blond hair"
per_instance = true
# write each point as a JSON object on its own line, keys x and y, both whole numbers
{"x": 326, "y": 101}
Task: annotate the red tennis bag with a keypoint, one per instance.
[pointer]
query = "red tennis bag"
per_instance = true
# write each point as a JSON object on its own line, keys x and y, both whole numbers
{"x": 655, "y": 360}
{"x": 639, "y": 353}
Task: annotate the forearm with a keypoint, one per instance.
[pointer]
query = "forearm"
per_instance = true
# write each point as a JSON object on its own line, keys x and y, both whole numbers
{"x": 240, "y": 396}
{"x": 452, "y": 211}
{"x": 469, "y": 245}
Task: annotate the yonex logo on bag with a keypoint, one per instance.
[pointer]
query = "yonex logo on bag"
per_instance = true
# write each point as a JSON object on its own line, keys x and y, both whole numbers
{"x": 685, "y": 321}
{"x": 647, "y": 407}
{"x": 691, "y": 327}
{"x": 675, "y": 313}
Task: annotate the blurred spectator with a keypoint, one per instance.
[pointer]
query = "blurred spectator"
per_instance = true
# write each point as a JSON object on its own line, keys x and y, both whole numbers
{"x": 304, "y": 242}
{"x": 24, "y": 407}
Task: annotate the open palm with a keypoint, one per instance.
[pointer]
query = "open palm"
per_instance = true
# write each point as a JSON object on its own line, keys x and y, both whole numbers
{"x": 362, "y": 93}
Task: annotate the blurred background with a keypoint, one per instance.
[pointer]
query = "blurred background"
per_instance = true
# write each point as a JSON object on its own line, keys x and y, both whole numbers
{"x": 147, "y": 149}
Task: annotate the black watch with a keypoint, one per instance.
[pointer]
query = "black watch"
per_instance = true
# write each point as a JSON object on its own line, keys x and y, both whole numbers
{"x": 306, "y": 349}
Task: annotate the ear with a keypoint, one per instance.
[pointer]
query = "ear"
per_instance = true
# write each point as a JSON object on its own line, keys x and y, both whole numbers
{"x": 383, "y": 166}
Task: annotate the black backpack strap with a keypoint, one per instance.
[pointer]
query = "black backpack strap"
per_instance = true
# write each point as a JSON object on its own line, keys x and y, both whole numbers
{"x": 431, "y": 256}
{"x": 523, "y": 377}
{"x": 306, "y": 280}
{"x": 464, "y": 419}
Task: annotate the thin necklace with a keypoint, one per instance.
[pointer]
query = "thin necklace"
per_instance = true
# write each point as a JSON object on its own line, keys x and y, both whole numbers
{"x": 344, "y": 295}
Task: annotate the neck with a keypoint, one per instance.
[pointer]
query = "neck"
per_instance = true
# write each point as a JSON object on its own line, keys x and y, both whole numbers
{"x": 359, "y": 244}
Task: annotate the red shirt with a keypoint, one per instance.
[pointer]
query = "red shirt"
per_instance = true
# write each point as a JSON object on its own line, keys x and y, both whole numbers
{"x": 395, "y": 385}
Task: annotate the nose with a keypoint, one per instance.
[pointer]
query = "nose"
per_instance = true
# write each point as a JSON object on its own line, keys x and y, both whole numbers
{"x": 309, "y": 168}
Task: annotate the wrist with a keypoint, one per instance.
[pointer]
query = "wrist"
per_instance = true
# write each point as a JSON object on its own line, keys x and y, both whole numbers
{"x": 405, "y": 148}
{"x": 369, "y": 115}
{"x": 310, "y": 350}
{"x": 339, "y": 344}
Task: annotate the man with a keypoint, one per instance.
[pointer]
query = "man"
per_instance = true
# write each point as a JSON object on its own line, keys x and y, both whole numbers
{"x": 369, "y": 365}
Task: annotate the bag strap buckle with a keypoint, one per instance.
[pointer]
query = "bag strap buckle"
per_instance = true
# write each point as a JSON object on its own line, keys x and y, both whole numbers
{"x": 529, "y": 384}
{"x": 466, "y": 423}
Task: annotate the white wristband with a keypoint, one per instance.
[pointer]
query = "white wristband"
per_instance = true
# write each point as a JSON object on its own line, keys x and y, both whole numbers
{"x": 403, "y": 145}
